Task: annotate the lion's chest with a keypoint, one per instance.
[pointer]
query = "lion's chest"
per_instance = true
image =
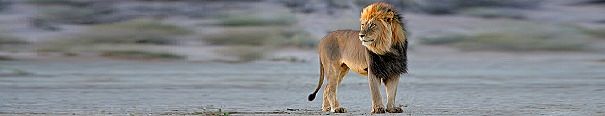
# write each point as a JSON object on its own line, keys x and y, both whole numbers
{"x": 389, "y": 64}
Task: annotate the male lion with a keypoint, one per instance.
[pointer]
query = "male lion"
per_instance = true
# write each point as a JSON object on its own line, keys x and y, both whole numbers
{"x": 380, "y": 54}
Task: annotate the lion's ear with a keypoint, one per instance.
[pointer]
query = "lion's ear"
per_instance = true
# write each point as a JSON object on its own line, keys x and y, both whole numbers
{"x": 389, "y": 16}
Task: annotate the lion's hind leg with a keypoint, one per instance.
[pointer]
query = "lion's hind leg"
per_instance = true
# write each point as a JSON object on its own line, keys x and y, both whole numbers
{"x": 325, "y": 106}
{"x": 327, "y": 101}
{"x": 335, "y": 75}
{"x": 342, "y": 72}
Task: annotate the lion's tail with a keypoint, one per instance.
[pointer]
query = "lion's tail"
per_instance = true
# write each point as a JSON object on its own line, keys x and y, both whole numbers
{"x": 321, "y": 81}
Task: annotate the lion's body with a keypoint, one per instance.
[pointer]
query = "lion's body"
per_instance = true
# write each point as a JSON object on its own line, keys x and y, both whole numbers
{"x": 343, "y": 48}
{"x": 378, "y": 51}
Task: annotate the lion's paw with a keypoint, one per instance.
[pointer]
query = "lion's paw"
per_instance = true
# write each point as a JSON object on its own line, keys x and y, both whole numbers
{"x": 325, "y": 109}
{"x": 340, "y": 110}
{"x": 394, "y": 110}
{"x": 378, "y": 110}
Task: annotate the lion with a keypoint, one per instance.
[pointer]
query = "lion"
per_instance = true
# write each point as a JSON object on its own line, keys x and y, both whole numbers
{"x": 380, "y": 54}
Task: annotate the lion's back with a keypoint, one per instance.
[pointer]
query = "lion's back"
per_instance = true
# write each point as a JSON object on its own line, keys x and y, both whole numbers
{"x": 336, "y": 41}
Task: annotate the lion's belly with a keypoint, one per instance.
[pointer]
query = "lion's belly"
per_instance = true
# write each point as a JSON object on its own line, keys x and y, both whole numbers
{"x": 358, "y": 67}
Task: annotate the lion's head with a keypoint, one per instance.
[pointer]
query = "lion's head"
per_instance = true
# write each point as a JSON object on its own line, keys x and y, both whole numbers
{"x": 381, "y": 28}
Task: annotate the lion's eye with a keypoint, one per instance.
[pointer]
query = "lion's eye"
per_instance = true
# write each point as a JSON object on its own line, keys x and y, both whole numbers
{"x": 371, "y": 25}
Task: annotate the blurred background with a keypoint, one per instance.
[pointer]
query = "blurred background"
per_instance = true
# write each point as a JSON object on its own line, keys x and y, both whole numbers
{"x": 95, "y": 48}
{"x": 281, "y": 30}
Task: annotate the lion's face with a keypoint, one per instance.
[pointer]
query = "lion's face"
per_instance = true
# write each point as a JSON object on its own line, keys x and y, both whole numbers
{"x": 380, "y": 28}
{"x": 374, "y": 31}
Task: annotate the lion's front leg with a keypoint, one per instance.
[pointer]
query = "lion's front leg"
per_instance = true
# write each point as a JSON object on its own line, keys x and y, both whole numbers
{"x": 391, "y": 88}
{"x": 374, "y": 83}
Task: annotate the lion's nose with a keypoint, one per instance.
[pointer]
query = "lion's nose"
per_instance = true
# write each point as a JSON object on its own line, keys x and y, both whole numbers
{"x": 362, "y": 35}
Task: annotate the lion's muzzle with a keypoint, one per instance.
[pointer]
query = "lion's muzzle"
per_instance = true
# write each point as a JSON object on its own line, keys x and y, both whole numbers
{"x": 365, "y": 41}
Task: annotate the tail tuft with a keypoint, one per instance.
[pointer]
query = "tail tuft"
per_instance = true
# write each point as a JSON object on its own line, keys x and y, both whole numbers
{"x": 311, "y": 97}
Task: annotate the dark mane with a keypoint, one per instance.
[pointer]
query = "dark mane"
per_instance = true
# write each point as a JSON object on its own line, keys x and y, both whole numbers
{"x": 392, "y": 63}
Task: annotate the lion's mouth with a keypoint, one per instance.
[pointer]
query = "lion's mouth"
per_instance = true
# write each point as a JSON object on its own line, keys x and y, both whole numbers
{"x": 366, "y": 42}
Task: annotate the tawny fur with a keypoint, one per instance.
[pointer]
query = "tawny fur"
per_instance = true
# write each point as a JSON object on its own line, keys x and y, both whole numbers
{"x": 378, "y": 51}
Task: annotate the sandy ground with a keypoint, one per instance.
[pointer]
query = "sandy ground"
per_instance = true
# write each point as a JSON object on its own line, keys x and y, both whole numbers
{"x": 441, "y": 82}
